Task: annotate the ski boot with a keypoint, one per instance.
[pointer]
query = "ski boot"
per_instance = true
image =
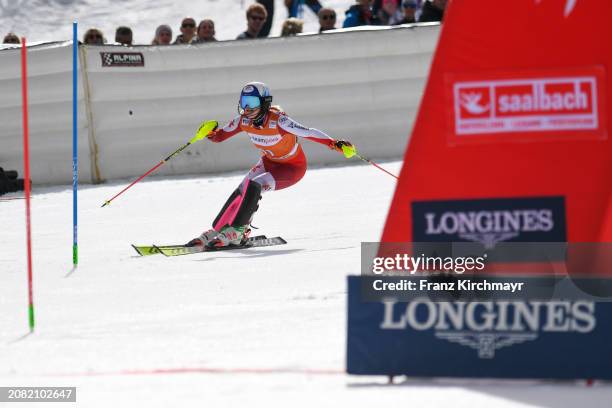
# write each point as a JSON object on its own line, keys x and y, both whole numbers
{"x": 231, "y": 236}
{"x": 203, "y": 240}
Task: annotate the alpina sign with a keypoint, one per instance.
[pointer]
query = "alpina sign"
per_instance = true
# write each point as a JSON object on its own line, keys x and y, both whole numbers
{"x": 532, "y": 103}
{"x": 122, "y": 59}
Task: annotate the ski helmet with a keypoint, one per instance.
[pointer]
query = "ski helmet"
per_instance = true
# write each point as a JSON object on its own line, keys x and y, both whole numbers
{"x": 255, "y": 95}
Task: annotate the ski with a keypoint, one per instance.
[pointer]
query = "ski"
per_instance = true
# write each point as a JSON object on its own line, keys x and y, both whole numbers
{"x": 258, "y": 241}
{"x": 147, "y": 250}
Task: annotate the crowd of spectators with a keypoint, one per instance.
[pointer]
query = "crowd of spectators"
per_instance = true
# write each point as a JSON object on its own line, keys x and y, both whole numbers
{"x": 259, "y": 21}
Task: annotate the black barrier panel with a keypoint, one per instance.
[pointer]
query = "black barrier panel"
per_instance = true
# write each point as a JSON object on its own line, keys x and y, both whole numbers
{"x": 488, "y": 339}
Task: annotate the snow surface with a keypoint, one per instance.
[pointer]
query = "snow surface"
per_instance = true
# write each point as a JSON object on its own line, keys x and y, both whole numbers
{"x": 51, "y": 20}
{"x": 258, "y": 327}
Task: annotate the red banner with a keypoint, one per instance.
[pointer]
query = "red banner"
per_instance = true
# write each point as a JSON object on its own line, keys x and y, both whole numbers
{"x": 512, "y": 139}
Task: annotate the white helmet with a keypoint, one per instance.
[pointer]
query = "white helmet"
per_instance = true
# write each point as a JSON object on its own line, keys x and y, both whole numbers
{"x": 255, "y": 95}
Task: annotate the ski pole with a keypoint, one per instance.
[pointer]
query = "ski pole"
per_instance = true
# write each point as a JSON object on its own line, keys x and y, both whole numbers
{"x": 203, "y": 131}
{"x": 365, "y": 159}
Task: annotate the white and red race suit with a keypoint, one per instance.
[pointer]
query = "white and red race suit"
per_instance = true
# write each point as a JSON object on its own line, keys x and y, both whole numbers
{"x": 283, "y": 162}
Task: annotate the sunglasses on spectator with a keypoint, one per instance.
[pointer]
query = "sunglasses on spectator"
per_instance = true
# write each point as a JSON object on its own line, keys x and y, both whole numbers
{"x": 257, "y": 18}
{"x": 188, "y": 25}
{"x": 328, "y": 17}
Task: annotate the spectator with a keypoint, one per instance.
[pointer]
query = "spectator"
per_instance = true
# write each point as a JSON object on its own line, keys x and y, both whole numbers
{"x": 291, "y": 27}
{"x": 11, "y": 38}
{"x": 293, "y": 6}
{"x": 433, "y": 10}
{"x": 360, "y": 14}
{"x": 409, "y": 8}
{"x": 389, "y": 13}
{"x": 265, "y": 30}
{"x": 327, "y": 19}
{"x": 123, "y": 36}
{"x": 206, "y": 31}
{"x": 188, "y": 31}
{"x": 163, "y": 35}
{"x": 256, "y": 15}
{"x": 93, "y": 36}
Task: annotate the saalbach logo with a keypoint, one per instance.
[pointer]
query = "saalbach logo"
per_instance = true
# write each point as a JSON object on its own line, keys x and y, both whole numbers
{"x": 525, "y": 105}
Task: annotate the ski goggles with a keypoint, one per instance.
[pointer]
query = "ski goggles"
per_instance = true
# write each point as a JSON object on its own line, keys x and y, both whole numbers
{"x": 249, "y": 102}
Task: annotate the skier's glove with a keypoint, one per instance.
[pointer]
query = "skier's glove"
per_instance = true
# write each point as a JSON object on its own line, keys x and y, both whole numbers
{"x": 346, "y": 148}
{"x": 212, "y": 133}
{"x": 207, "y": 129}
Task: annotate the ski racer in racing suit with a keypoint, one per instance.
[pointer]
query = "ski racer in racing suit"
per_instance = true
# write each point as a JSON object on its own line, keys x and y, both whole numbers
{"x": 281, "y": 165}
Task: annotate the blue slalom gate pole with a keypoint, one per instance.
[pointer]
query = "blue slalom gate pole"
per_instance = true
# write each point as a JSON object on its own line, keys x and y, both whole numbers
{"x": 75, "y": 145}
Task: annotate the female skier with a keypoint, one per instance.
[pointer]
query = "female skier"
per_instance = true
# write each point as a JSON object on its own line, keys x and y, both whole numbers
{"x": 281, "y": 165}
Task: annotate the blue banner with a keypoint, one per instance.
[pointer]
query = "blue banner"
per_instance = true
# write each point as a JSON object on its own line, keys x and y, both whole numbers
{"x": 488, "y": 339}
{"x": 489, "y": 221}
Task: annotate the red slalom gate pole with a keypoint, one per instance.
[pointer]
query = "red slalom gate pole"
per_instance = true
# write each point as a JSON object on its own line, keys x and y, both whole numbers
{"x": 26, "y": 165}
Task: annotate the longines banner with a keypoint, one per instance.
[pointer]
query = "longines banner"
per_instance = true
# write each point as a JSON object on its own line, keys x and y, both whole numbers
{"x": 489, "y": 221}
{"x": 512, "y": 144}
{"x": 489, "y": 339}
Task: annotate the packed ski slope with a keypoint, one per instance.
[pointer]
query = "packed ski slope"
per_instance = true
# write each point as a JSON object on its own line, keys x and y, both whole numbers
{"x": 51, "y": 20}
{"x": 257, "y": 327}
